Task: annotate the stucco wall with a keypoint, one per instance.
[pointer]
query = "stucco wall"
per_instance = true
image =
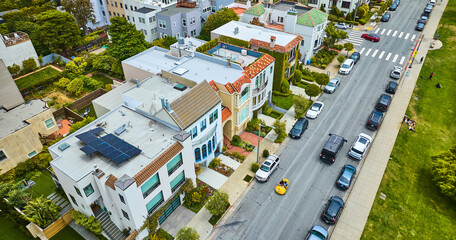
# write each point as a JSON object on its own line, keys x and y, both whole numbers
{"x": 38, "y": 125}
{"x": 134, "y": 72}
{"x": 15, "y": 54}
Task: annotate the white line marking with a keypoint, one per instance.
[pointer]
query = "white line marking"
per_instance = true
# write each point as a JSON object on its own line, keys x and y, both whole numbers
{"x": 395, "y": 33}
{"x": 400, "y": 35}
{"x": 406, "y": 36}
{"x": 413, "y": 37}
{"x": 362, "y": 50}
{"x": 388, "y": 56}
{"x": 389, "y": 31}
{"x": 395, "y": 58}
{"x": 402, "y": 60}
{"x": 375, "y": 53}
{"x": 368, "y": 51}
{"x": 378, "y": 29}
{"x": 381, "y": 54}
{"x": 383, "y": 31}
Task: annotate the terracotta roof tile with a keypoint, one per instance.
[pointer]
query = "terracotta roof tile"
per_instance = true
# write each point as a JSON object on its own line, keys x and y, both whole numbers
{"x": 110, "y": 182}
{"x": 157, "y": 163}
{"x": 132, "y": 235}
{"x": 100, "y": 175}
{"x": 229, "y": 88}
{"x": 212, "y": 83}
{"x": 226, "y": 113}
{"x": 259, "y": 65}
{"x": 241, "y": 81}
{"x": 276, "y": 47}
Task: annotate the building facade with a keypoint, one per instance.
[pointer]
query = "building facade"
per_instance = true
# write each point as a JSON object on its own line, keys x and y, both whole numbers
{"x": 346, "y": 6}
{"x": 100, "y": 11}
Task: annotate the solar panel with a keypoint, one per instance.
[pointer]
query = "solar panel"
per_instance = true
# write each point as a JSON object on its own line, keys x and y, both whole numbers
{"x": 96, "y": 130}
{"x": 88, "y": 150}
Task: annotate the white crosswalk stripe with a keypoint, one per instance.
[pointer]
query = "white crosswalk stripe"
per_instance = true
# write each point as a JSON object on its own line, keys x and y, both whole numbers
{"x": 400, "y": 35}
{"x": 368, "y": 51}
{"x": 389, "y": 31}
{"x": 362, "y": 50}
{"x": 388, "y": 56}
{"x": 402, "y": 60}
{"x": 353, "y": 37}
{"x": 381, "y": 54}
{"x": 395, "y": 58}
{"x": 406, "y": 36}
{"x": 375, "y": 53}
{"x": 378, "y": 29}
{"x": 395, "y": 33}
{"x": 383, "y": 31}
{"x": 413, "y": 37}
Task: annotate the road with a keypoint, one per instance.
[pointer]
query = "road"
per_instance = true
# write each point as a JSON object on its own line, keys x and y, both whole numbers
{"x": 262, "y": 214}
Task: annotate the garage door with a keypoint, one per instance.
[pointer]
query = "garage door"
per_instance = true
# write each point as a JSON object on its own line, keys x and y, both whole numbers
{"x": 176, "y": 203}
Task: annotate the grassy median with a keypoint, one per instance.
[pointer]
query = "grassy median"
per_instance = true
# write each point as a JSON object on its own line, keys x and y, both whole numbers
{"x": 414, "y": 207}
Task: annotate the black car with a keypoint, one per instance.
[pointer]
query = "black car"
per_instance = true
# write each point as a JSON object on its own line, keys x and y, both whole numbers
{"x": 375, "y": 120}
{"x": 423, "y": 19}
{"x": 391, "y": 87}
{"x": 299, "y": 127}
{"x": 333, "y": 210}
{"x": 346, "y": 176}
{"x": 356, "y": 56}
{"x": 393, "y": 7}
{"x": 419, "y": 27}
{"x": 386, "y": 17}
{"x": 426, "y": 13}
{"x": 383, "y": 103}
{"x": 331, "y": 148}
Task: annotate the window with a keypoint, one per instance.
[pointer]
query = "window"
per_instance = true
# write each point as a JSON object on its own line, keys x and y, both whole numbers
{"x": 128, "y": 18}
{"x": 213, "y": 9}
{"x": 174, "y": 164}
{"x": 203, "y": 125}
{"x": 115, "y": 4}
{"x": 121, "y": 5}
{"x": 123, "y": 15}
{"x": 313, "y": 1}
{"x": 204, "y": 150}
{"x": 177, "y": 181}
{"x": 192, "y": 21}
{"x": 244, "y": 114}
{"x": 185, "y": 34}
{"x": 177, "y": 35}
{"x": 136, "y": 8}
{"x": 32, "y": 154}
{"x": 153, "y": 31}
{"x": 133, "y": 18}
{"x": 174, "y": 24}
{"x": 213, "y": 142}
{"x": 211, "y": 118}
{"x": 345, "y": 4}
{"x": 101, "y": 2}
{"x": 77, "y": 191}
{"x": 73, "y": 200}
{"x": 131, "y": 7}
{"x": 150, "y": 185}
{"x": 125, "y": 215}
{"x": 209, "y": 148}
{"x": 152, "y": 19}
{"x": 49, "y": 123}
{"x": 197, "y": 155}
{"x": 194, "y": 132}
{"x": 162, "y": 24}
{"x": 184, "y": 22}
{"x": 122, "y": 199}
{"x": 112, "y": 4}
{"x": 244, "y": 95}
{"x": 193, "y": 33}
{"x": 2, "y": 155}
{"x": 88, "y": 190}
{"x": 280, "y": 19}
{"x": 126, "y": 6}
{"x": 154, "y": 203}
{"x": 103, "y": 12}
{"x": 144, "y": 31}
{"x": 270, "y": 69}
{"x": 215, "y": 115}
{"x": 302, "y": 42}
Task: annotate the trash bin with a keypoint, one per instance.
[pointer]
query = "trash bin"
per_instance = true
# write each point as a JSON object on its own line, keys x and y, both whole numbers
{"x": 308, "y": 62}
{"x": 436, "y": 37}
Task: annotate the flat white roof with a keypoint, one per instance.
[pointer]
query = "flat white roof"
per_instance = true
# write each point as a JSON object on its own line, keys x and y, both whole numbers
{"x": 14, "y": 119}
{"x": 113, "y": 98}
{"x": 144, "y": 133}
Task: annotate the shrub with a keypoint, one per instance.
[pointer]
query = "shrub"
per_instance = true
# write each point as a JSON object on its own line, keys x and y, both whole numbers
{"x": 341, "y": 59}
{"x": 236, "y": 140}
{"x": 249, "y": 148}
{"x": 29, "y": 65}
{"x": 224, "y": 148}
{"x": 197, "y": 197}
{"x": 187, "y": 233}
{"x": 78, "y": 125}
{"x": 215, "y": 163}
{"x": 280, "y": 129}
{"x": 217, "y": 203}
{"x": 265, "y": 153}
{"x": 444, "y": 171}
{"x": 41, "y": 211}
{"x": 254, "y": 167}
{"x": 90, "y": 223}
{"x": 14, "y": 69}
{"x": 62, "y": 83}
{"x": 285, "y": 86}
{"x": 300, "y": 103}
{"x": 198, "y": 169}
{"x": 75, "y": 86}
{"x": 297, "y": 77}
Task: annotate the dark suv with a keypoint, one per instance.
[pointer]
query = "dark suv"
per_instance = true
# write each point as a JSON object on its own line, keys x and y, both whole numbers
{"x": 355, "y": 56}
{"x": 383, "y": 103}
{"x": 333, "y": 210}
{"x": 331, "y": 148}
{"x": 299, "y": 127}
{"x": 391, "y": 87}
{"x": 375, "y": 120}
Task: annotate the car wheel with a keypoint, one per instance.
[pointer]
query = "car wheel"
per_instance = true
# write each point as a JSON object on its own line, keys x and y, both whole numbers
{"x": 267, "y": 179}
{"x": 373, "y": 40}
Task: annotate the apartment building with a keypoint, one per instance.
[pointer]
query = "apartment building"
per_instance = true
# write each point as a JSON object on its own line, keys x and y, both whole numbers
{"x": 345, "y": 5}
{"x": 16, "y": 47}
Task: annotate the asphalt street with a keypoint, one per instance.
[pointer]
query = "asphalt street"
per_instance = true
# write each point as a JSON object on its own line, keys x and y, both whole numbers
{"x": 262, "y": 214}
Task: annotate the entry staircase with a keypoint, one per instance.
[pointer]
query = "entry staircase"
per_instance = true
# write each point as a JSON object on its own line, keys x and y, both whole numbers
{"x": 109, "y": 228}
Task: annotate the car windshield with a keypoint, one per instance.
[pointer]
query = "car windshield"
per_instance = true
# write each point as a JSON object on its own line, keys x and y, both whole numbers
{"x": 298, "y": 126}
{"x": 318, "y": 234}
{"x": 331, "y": 84}
{"x": 315, "y": 107}
{"x": 356, "y": 150}
{"x": 345, "y": 66}
{"x": 264, "y": 168}
{"x": 344, "y": 178}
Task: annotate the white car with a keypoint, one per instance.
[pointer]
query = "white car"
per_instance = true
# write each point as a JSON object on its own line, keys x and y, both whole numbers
{"x": 267, "y": 168}
{"x": 396, "y": 73}
{"x": 347, "y": 66}
{"x": 332, "y": 85}
{"x": 341, "y": 26}
{"x": 360, "y": 147}
{"x": 315, "y": 110}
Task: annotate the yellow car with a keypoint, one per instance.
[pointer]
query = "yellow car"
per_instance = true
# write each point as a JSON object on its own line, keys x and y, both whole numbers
{"x": 282, "y": 187}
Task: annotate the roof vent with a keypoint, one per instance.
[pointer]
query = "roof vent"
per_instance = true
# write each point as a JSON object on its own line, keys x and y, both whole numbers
{"x": 64, "y": 146}
{"x": 180, "y": 87}
{"x": 236, "y": 30}
{"x": 120, "y": 130}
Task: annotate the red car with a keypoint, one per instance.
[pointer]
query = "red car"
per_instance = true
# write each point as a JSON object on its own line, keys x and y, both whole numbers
{"x": 371, "y": 37}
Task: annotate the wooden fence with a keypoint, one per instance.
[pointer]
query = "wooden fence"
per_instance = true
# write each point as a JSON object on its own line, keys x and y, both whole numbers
{"x": 59, "y": 224}
{"x": 87, "y": 99}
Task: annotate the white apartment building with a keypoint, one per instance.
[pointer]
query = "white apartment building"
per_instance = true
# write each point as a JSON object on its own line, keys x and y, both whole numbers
{"x": 345, "y": 5}
{"x": 101, "y": 14}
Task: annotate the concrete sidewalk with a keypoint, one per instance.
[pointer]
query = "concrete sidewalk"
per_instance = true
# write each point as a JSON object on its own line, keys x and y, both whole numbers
{"x": 360, "y": 200}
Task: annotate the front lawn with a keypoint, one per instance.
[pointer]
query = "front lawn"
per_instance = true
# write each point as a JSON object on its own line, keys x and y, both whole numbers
{"x": 67, "y": 233}
{"x": 414, "y": 207}
{"x": 283, "y": 102}
{"x": 36, "y": 77}
{"x": 44, "y": 185}
{"x": 9, "y": 230}
{"x": 102, "y": 78}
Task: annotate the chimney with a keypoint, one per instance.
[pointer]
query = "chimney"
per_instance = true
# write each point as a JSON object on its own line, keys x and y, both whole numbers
{"x": 162, "y": 99}
{"x": 228, "y": 61}
{"x": 272, "y": 43}
{"x": 167, "y": 105}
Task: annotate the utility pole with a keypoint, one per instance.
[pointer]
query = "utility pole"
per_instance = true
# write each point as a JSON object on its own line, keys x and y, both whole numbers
{"x": 258, "y": 146}
{"x": 356, "y": 10}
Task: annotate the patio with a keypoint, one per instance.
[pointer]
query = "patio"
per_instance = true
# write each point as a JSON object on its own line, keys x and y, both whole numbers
{"x": 246, "y": 137}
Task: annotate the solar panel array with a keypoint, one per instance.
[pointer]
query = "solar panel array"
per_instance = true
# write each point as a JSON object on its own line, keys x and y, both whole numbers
{"x": 110, "y": 146}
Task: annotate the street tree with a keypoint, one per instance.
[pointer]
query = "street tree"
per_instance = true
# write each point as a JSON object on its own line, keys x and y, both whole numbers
{"x": 280, "y": 130}
{"x": 300, "y": 104}
{"x": 362, "y": 10}
{"x": 312, "y": 91}
{"x": 126, "y": 40}
{"x": 58, "y": 30}
{"x": 341, "y": 59}
{"x": 218, "y": 203}
{"x": 444, "y": 172}
{"x": 41, "y": 211}
{"x": 322, "y": 79}
{"x": 333, "y": 35}
{"x": 217, "y": 20}
{"x": 297, "y": 77}
{"x": 348, "y": 47}
{"x": 82, "y": 11}
{"x": 187, "y": 233}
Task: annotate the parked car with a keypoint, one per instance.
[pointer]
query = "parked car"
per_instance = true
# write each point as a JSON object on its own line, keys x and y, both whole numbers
{"x": 332, "y": 85}
{"x": 426, "y": 13}
{"x": 282, "y": 187}
{"x": 432, "y": 2}
{"x": 371, "y": 37}
{"x": 419, "y": 27}
{"x": 267, "y": 168}
{"x": 398, "y": 2}
{"x": 386, "y": 17}
{"x": 331, "y": 148}
{"x": 333, "y": 210}
{"x": 375, "y": 120}
{"x": 346, "y": 176}
{"x": 356, "y": 56}
{"x": 423, "y": 19}
{"x": 341, "y": 26}
{"x": 429, "y": 6}
{"x": 317, "y": 233}
{"x": 315, "y": 110}
{"x": 347, "y": 66}
{"x": 299, "y": 127}
{"x": 391, "y": 87}
{"x": 360, "y": 146}
{"x": 383, "y": 102}
{"x": 396, "y": 73}
{"x": 393, "y": 7}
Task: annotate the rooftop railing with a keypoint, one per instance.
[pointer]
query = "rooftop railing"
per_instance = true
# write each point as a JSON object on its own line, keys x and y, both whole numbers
{"x": 14, "y": 38}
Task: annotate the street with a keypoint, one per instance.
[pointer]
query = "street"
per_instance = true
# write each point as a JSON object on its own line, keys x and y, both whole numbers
{"x": 262, "y": 214}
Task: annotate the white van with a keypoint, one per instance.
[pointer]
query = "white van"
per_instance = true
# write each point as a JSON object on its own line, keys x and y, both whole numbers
{"x": 431, "y": 2}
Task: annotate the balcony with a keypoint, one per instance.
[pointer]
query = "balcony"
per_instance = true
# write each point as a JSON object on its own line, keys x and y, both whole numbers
{"x": 317, "y": 48}
{"x": 11, "y": 39}
{"x": 259, "y": 89}
{"x": 259, "y": 104}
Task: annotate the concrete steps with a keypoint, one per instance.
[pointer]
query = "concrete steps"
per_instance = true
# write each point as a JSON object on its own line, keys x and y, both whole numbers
{"x": 109, "y": 227}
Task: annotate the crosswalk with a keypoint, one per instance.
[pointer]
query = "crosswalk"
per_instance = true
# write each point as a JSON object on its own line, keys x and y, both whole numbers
{"x": 354, "y": 37}
{"x": 376, "y": 53}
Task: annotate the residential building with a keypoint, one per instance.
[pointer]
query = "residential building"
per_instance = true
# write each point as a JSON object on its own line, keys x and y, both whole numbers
{"x": 100, "y": 12}
{"x": 123, "y": 167}
{"x": 114, "y": 8}
{"x": 16, "y": 47}
{"x": 10, "y": 96}
{"x": 346, "y": 6}
{"x": 282, "y": 46}
{"x": 292, "y": 17}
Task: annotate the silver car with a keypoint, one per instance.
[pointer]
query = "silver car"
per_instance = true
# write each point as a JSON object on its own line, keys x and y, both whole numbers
{"x": 341, "y": 26}
{"x": 360, "y": 147}
{"x": 396, "y": 73}
{"x": 346, "y": 66}
{"x": 267, "y": 168}
{"x": 332, "y": 85}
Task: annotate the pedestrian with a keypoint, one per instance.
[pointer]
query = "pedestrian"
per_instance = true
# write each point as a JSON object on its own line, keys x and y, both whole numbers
{"x": 421, "y": 60}
{"x": 430, "y": 76}
{"x": 438, "y": 85}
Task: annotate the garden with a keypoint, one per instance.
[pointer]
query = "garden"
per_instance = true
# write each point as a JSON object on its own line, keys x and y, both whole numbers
{"x": 198, "y": 196}
{"x": 219, "y": 167}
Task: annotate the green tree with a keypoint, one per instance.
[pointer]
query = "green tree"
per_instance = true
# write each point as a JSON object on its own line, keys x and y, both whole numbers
{"x": 102, "y": 62}
{"x": 217, "y": 20}
{"x": 41, "y": 211}
{"x": 322, "y": 8}
{"x": 14, "y": 69}
{"x": 297, "y": 77}
{"x": 362, "y": 10}
{"x": 187, "y": 233}
{"x": 444, "y": 172}
{"x": 280, "y": 129}
{"x": 79, "y": 125}
{"x": 218, "y": 203}
{"x": 29, "y": 65}
{"x": 348, "y": 47}
{"x": 75, "y": 86}
{"x": 335, "y": 11}
{"x": 164, "y": 42}
{"x": 333, "y": 35}
{"x": 77, "y": 66}
{"x": 18, "y": 197}
{"x": 312, "y": 91}
{"x": 58, "y": 30}
{"x": 62, "y": 83}
{"x": 126, "y": 41}
{"x": 322, "y": 79}
{"x": 300, "y": 104}
{"x": 285, "y": 86}
{"x": 82, "y": 11}
{"x": 341, "y": 59}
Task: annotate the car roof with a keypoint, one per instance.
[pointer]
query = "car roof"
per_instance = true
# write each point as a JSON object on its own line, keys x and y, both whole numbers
{"x": 334, "y": 80}
{"x": 376, "y": 116}
{"x": 356, "y": 53}
{"x": 384, "y": 97}
{"x": 321, "y": 230}
{"x": 348, "y": 61}
{"x": 365, "y": 136}
{"x": 333, "y": 141}
{"x": 393, "y": 83}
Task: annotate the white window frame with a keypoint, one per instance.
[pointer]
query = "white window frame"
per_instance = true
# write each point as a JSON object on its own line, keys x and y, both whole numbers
{"x": 184, "y": 22}
{"x": 162, "y": 24}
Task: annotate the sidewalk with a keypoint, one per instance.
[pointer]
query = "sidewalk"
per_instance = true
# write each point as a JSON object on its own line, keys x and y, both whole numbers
{"x": 359, "y": 202}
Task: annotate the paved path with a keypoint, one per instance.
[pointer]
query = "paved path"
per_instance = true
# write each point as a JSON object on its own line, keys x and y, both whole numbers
{"x": 212, "y": 177}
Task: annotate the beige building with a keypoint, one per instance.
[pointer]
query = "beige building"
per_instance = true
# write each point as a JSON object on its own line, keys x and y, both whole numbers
{"x": 115, "y": 8}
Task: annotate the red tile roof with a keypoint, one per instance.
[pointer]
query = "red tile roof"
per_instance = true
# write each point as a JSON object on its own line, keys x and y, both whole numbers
{"x": 212, "y": 83}
{"x": 226, "y": 113}
{"x": 110, "y": 181}
{"x": 277, "y": 47}
{"x": 252, "y": 70}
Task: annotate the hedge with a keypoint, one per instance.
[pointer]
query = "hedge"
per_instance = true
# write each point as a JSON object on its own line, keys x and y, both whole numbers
{"x": 212, "y": 43}
{"x": 277, "y": 93}
{"x": 234, "y": 41}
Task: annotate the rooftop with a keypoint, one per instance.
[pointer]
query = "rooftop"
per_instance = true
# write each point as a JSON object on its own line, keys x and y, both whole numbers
{"x": 235, "y": 54}
{"x": 15, "y": 119}
{"x": 285, "y": 6}
{"x": 14, "y": 38}
{"x": 312, "y": 18}
{"x": 151, "y": 137}
{"x": 144, "y": 10}
{"x": 113, "y": 99}
{"x": 256, "y": 10}
{"x": 173, "y": 10}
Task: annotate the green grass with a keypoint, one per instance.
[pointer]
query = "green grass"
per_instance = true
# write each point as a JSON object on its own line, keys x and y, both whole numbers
{"x": 37, "y": 77}
{"x": 195, "y": 207}
{"x": 102, "y": 78}
{"x": 91, "y": 112}
{"x": 162, "y": 234}
{"x": 44, "y": 185}
{"x": 283, "y": 102}
{"x": 414, "y": 207}
{"x": 247, "y": 178}
{"x": 67, "y": 233}
{"x": 9, "y": 230}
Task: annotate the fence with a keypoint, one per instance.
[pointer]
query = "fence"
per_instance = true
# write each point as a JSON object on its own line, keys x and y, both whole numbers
{"x": 87, "y": 99}
{"x": 67, "y": 112}
{"x": 51, "y": 57}
{"x": 52, "y": 229}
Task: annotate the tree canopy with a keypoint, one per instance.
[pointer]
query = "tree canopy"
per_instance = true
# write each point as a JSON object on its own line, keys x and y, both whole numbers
{"x": 218, "y": 203}
{"x": 126, "y": 41}
{"x": 300, "y": 104}
{"x": 217, "y": 20}
{"x": 164, "y": 42}
{"x": 333, "y": 35}
{"x": 187, "y": 233}
{"x": 82, "y": 11}
{"x": 444, "y": 172}
{"x": 41, "y": 211}
{"x": 312, "y": 90}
